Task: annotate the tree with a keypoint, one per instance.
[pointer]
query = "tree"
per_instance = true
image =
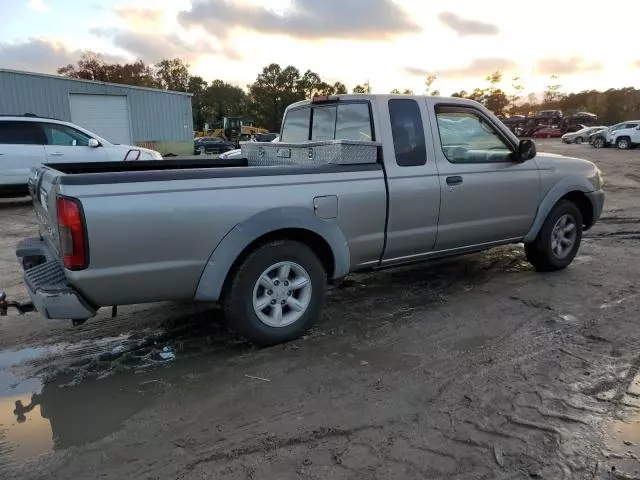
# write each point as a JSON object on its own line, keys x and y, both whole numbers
{"x": 339, "y": 88}
{"x": 493, "y": 97}
{"x": 552, "y": 91}
{"x": 365, "y": 88}
{"x": 430, "y": 80}
{"x": 197, "y": 87}
{"x": 222, "y": 99}
{"x": 92, "y": 66}
{"x": 172, "y": 74}
{"x": 406, "y": 91}
{"x": 274, "y": 89}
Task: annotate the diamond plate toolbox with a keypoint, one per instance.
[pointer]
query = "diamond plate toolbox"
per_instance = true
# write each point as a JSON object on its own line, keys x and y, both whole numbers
{"x": 335, "y": 152}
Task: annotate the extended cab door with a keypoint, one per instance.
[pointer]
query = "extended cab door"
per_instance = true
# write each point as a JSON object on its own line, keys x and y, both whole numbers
{"x": 412, "y": 175}
{"x": 21, "y": 148}
{"x": 486, "y": 196}
{"x": 66, "y": 144}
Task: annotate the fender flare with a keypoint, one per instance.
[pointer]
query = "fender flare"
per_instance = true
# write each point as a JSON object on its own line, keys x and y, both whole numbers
{"x": 242, "y": 235}
{"x": 569, "y": 184}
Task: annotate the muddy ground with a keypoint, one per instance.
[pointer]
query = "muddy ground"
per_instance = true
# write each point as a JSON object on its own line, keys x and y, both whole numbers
{"x": 471, "y": 368}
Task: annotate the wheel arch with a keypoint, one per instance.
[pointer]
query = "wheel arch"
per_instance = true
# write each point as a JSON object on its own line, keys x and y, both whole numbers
{"x": 323, "y": 237}
{"x": 574, "y": 189}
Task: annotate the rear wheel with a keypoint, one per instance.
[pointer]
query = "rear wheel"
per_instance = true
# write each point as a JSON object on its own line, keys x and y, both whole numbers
{"x": 623, "y": 143}
{"x": 276, "y": 294}
{"x": 598, "y": 142}
{"x": 558, "y": 240}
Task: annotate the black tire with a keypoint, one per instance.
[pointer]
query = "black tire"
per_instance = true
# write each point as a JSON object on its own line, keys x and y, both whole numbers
{"x": 540, "y": 252}
{"x": 623, "y": 143}
{"x": 598, "y": 142}
{"x": 579, "y": 140}
{"x": 237, "y": 301}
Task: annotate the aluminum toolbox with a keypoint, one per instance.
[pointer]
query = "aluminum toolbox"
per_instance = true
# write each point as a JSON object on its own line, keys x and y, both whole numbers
{"x": 336, "y": 152}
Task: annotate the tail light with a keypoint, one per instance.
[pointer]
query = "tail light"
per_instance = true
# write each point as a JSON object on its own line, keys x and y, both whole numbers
{"x": 73, "y": 241}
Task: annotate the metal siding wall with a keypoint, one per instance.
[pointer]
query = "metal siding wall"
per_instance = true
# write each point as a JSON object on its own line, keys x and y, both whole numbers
{"x": 155, "y": 115}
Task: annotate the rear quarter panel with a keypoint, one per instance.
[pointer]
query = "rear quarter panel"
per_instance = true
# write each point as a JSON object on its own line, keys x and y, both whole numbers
{"x": 150, "y": 241}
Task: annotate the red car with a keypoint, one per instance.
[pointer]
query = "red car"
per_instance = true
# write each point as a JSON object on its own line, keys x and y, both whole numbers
{"x": 548, "y": 132}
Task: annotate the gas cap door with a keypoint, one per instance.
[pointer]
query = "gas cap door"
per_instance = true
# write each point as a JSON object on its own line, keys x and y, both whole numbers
{"x": 326, "y": 207}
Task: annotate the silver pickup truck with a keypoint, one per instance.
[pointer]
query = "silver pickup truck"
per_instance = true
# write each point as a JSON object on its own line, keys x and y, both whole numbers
{"x": 265, "y": 242}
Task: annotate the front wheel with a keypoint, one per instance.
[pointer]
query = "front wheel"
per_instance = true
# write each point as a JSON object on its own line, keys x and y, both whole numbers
{"x": 558, "y": 240}
{"x": 276, "y": 294}
{"x": 623, "y": 143}
{"x": 598, "y": 142}
{"x": 579, "y": 140}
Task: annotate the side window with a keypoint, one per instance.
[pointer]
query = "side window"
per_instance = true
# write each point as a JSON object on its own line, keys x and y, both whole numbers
{"x": 62, "y": 135}
{"x": 408, "y": 132}
{"x": 323, "y": 126}
{"x": 21, "y": 133}
{"x": 467, "y": 137}
{"x": 296, "y": 125}
{"x": 353, "y": 122}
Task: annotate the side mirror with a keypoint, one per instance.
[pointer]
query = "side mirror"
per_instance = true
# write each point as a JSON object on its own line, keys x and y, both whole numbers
{"x": 93, "y": 143}
{"x": 526, "y": 150}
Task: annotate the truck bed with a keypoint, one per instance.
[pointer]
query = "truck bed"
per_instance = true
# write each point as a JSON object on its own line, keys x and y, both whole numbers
{"x": 103, "y": 173}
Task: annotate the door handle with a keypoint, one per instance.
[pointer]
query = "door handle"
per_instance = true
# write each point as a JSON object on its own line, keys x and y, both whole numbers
{"x": 456, "y": 180}
{"x": 56, "y": 154}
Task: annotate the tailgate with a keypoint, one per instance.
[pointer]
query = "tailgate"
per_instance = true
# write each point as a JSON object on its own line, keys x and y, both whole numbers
{"x": 43, "y": 190}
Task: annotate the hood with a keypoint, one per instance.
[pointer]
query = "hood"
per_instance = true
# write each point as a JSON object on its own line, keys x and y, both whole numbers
{"x": 567, "y": 164}
{"x": 145, "y": 153}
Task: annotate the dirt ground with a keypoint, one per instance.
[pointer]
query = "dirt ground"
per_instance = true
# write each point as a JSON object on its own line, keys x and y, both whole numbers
{"x": 470, "y": 368}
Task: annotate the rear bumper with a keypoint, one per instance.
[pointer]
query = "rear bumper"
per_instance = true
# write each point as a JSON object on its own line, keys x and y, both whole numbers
{"x": 47, "y": 284}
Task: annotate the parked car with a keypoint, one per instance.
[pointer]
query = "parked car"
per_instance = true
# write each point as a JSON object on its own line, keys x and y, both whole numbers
{"x": 28, "y": 141}
{"x": 623, "y": 135}
{"x": 264, "y": 241}
{"x": 211, "y": 145}
{"x": 548, "y": 132}
{"x": 581, "y": 135}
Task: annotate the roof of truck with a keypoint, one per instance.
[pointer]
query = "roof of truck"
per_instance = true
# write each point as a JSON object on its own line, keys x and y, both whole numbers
{"x": 376, "y": 96}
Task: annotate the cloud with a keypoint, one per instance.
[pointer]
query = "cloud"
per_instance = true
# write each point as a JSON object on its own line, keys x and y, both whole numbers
{"x": 553, "y": 66}
{"x": 307, "y": 19}
{"x": 151, "y": 47}
{"x": 464, "y": 27}
{"x": 141, "y": 18}
{"x": 38, "y": 6}
{"x": 40, "y": 55}
{"x": 480, "y": 67}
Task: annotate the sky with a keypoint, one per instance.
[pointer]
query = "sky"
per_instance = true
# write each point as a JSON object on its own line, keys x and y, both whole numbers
{"x": 390, "y": 43}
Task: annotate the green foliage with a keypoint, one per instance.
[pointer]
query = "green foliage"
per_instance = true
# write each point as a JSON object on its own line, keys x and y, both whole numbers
{"x": 364, "y": 88}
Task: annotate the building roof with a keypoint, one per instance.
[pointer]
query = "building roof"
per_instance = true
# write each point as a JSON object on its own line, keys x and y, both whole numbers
{"x": 121, "y": 85}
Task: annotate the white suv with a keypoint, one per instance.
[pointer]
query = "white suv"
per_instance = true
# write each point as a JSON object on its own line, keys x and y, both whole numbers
{"x": 624, "y": 135}
{"x": 28, "y": 141}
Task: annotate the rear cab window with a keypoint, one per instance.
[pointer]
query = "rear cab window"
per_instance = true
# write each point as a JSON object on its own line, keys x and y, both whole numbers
{"x": 349, "y": 120}
{"x": 408, "y": 132}
{"x": 21, "y": 133}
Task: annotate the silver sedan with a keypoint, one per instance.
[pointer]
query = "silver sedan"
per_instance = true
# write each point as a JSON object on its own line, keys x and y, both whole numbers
{"x": 581, "y": 135}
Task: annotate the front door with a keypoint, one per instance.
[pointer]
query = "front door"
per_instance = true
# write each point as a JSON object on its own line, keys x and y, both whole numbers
{"x": 486, "y": 196}
{"x": 66, "y": 145}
